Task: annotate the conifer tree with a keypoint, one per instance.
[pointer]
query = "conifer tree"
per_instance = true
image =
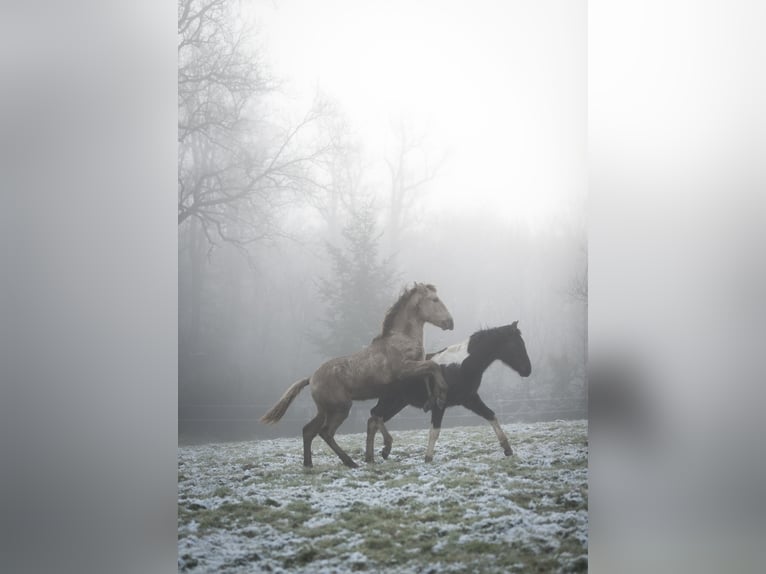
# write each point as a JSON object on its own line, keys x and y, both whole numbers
{"x": 359, "y": 289}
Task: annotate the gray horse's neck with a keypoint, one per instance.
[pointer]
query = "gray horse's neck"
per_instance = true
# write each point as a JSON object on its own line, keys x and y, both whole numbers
{"x": 409, "y": 324}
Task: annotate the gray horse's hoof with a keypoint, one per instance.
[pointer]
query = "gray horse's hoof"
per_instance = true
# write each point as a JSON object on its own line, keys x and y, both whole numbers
{"x": 508, "y": 451}
{"x": 384, "y": 453}
{"x": 429, "y": 458}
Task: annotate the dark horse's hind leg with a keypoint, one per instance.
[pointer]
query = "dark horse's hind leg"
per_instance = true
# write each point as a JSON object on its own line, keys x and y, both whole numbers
{"x": 436, "y": 426}
{"x": 309, "y": 432}
{"x": 383, "y": 411}
{"x": 334, "y": 420}
{"x": 372, "y": 428}
{"x": 375, "y": 424}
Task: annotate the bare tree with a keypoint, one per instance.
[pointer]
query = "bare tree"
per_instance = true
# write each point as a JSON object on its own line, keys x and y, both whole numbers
{"x": 239, "y": 160}
{"x": 236, "y": 166}
{"x": 342, "y": 170}
{"x": 410, "y": 169}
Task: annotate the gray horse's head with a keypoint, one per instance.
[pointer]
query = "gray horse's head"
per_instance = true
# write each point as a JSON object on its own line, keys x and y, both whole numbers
{"x": 431, "y": 309}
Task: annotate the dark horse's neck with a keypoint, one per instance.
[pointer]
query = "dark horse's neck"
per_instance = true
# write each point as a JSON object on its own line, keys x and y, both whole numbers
{"x": 483, "y": 347}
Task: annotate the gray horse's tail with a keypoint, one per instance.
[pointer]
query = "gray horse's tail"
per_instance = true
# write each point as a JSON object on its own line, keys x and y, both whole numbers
{"x": 277, "y": 411}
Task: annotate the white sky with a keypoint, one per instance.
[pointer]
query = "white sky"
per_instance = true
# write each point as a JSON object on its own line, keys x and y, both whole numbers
{"x": 500, "y": 85}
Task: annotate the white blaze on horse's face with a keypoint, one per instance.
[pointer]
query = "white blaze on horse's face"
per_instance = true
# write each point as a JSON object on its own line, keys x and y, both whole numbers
{"x": 453, "y": 355}
{"x": 432, "y": 310}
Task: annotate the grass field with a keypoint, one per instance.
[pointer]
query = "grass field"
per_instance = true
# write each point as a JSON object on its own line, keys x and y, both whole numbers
{"x": 251, "y": 507}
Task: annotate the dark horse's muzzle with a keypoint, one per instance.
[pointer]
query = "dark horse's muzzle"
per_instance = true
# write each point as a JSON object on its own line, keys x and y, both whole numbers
{"x": 526, "y": 371}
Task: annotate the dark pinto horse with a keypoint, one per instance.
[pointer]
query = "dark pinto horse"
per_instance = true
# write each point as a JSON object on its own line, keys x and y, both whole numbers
{"x": 462, "y": 366}
{"x": 397, "y": 353}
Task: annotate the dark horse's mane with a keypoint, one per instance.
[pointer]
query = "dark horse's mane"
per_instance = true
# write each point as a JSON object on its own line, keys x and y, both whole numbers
{"x": 484, "y": 333}
{"x": 404, "y": 297}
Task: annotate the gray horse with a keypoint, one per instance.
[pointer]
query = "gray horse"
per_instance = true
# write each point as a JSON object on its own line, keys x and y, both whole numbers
{"x": 397, "y": 353}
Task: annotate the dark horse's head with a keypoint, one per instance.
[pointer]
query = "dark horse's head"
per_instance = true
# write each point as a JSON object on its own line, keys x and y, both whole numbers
{"x": 513, "y": 351}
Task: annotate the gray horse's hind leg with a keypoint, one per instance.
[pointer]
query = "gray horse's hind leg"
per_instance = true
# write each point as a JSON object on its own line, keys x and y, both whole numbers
{"x": 334, "y": 420}
{"x": 309, "y": 432}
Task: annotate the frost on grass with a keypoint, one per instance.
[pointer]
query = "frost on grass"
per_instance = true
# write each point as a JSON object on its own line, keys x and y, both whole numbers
{"x": 246, "y": 507}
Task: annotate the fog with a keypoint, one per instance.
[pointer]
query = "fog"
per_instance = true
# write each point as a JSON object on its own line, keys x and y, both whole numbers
{"x": 452, "y": 140}
{"x": 93, "y": 155}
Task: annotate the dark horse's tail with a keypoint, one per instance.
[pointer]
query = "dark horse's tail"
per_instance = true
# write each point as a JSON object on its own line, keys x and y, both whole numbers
{"x": 277, "y": 411}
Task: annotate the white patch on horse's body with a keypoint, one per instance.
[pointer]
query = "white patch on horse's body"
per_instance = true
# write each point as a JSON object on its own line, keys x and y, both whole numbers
{"x": 453, "y": 355}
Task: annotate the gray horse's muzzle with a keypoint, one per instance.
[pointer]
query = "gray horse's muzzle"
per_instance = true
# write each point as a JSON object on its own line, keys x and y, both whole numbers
{"x": 448, "y": 325}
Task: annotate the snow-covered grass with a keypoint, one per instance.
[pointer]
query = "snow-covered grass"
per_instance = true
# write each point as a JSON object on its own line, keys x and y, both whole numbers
{"x": 251, "y": 507}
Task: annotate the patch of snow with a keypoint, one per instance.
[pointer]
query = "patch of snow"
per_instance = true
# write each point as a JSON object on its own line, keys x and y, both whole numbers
{"x": 532, "y": 500}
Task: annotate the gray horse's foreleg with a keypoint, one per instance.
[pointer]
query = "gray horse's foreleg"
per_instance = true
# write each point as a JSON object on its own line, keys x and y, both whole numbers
{"x": 425, "y": 368}
{"x": 439, "y": 389}
{"x": 430, "y": 399}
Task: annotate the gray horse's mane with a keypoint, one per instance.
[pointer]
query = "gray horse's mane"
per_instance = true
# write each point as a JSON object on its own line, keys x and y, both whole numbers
{"x": 404, "y": 297}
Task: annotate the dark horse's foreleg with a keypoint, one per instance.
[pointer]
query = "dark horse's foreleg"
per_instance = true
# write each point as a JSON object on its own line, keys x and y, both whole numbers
{"x": 381, "y": 412}
{"x": 436, "y": 425}
{"x": 311, "y": 429}
{"x": 333, "y": 421}
{"x": 475, "y": 404}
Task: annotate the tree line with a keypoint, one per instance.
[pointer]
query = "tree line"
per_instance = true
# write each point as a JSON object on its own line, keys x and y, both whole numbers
{"x": 291, "y": 246}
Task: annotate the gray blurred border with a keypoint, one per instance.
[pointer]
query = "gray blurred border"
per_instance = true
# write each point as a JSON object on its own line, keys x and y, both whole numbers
{"x": 88, "y": 300}
{"x": 677, "y": 277}
{"x": 89, "y": 266}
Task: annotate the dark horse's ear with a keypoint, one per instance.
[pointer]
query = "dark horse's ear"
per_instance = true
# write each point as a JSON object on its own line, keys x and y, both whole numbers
{"x": 515, "y": 324}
